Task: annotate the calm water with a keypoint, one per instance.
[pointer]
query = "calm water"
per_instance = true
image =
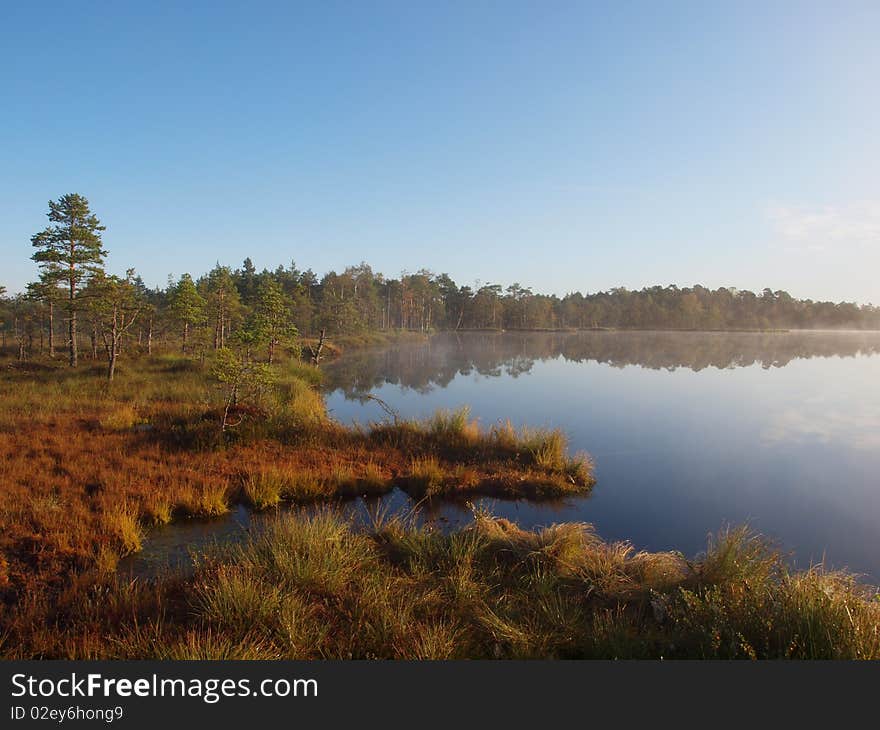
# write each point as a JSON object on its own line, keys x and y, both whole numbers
{"x": 689, "y": 432}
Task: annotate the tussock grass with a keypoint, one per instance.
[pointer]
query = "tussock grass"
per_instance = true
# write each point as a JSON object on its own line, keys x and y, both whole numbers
{"x": 234, "y": 601}
{"x": 453, "y": 433}
{"x": 302, "y": 406}
{"x": 502, "y": 461}
{"x": 157, "y": 509}
{"x": 124, "y": 523}
{"x": 454, "y": 428}
{"x": 209, "y": 645}
{"x": 306, "y": 486}
{"x": 426, "y": 477}
{"x": 264, "y": 489}
{"x": 547, "y": 448}
{"x": 373, "y": 480}
{"x": 305, "y": 372}
{"x": 313, "y": 586}
{"x": 206, "y": 498}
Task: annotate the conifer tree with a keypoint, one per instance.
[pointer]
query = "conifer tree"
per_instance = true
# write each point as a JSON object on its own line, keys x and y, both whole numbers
{"x": 273, "y": 317}
{"x": 70, "y": 252}
{"x": 187, "y": 305}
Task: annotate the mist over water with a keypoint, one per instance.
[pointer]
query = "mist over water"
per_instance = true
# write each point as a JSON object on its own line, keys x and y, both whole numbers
{"x": 689, "y": 431}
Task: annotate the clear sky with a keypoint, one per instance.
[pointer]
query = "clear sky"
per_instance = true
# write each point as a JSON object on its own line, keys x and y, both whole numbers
{"x": 562, "y": 145}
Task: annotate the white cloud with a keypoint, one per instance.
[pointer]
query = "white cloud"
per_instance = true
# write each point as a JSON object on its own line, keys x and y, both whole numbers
{"x": 855, "y": 225}
{"x": 823, "y": 420}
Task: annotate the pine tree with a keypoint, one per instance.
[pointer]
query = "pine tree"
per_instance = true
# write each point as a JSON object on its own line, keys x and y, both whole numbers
{"x": 223, "y": 302}
{"x": 187, "y": 305}
{"x": 70, "y": 252}
{"x": 272, "y": 316}
{"x": 115, "y": 304}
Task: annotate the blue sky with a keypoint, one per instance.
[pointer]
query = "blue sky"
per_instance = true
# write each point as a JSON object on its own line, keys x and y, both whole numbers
{"x": 562, "y": 145}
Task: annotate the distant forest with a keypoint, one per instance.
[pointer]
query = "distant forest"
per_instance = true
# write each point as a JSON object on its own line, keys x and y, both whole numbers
{"x": 213, "y": 306}
{"x": 265, "y": 308}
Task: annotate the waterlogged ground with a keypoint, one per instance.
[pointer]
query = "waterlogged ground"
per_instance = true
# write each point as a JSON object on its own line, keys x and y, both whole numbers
{"x": 689, "y": 431}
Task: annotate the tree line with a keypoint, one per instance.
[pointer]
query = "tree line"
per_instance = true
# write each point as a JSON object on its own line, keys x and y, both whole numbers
{"x": 259, "y": 311}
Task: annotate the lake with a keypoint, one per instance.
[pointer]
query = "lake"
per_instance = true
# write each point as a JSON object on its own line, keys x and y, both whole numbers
{"x": 689, "y": 431}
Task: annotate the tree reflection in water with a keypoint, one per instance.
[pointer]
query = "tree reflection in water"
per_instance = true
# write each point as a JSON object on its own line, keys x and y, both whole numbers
{"x": 436, "y": 361}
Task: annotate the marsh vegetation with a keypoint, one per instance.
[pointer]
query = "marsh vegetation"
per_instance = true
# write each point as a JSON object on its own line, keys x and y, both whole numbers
{"x": 180, "y": 403}
{"x": 313, "y": 586}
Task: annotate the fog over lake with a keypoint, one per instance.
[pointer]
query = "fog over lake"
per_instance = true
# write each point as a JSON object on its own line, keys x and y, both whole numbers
{"x": 689, "y": 431}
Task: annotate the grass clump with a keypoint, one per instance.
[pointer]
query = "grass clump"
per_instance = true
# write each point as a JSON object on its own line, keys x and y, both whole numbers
{"x": 426, "y": 477}
{"x": 208, "y": 498}
{"x": 372, "y": 480}
{"x": 546, "y": 447}
{"x": 302, "y": 406}
{"x": 119, "y": 417}
{"x": 157, "y": 508}
{"x": 263, "y": 489}
{"x": 306, "y": 486}
{"x": 234, "y": 601}
{"x": 305, "y": 372}
{"x": 124, "y": 523}
{"x": 454, "y": 429}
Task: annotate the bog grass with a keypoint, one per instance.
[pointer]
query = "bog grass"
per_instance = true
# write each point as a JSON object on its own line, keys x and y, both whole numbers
{"x": 312, "y": 585}
{"x": 86, "y": 467}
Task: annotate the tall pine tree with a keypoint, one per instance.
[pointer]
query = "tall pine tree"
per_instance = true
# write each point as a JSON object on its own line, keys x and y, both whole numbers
{"x": 70, "y": 252}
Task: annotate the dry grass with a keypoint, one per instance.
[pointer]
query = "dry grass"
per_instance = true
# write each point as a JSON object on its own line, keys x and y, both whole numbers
{"x": 426, "y": 477}
{"x": 86, "y": 466}
{"x": 263, "y": 489}
{"x": 313, "y": 586}
{"x": 123, "y": 523}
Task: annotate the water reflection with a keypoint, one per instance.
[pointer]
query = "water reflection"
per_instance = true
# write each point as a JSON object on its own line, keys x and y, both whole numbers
{"x": 436, "y": 361}
{"x": 689, "y": 431}
{"x": 175, "y": 548}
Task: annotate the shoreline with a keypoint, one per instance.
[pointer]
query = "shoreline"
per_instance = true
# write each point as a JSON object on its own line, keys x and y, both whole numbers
{"x": 69, "y": 517}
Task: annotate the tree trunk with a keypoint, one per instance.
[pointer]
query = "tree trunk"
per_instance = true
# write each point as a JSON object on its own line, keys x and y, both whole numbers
{"x": 185, "y": 335}
{"x": 51, "y": 329}
{"x": 150, "y": 337}
{"x": 113, "y": 347}
{"x": 111, "y": 367}
{"x": 73, "y": 359}
{"x": 316, "y": 351}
